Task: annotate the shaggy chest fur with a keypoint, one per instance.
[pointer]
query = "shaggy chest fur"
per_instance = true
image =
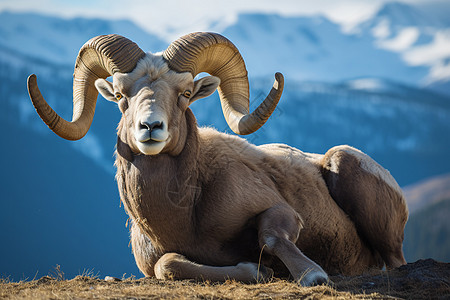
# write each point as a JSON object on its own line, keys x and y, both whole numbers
{"x": 159, "y": 199}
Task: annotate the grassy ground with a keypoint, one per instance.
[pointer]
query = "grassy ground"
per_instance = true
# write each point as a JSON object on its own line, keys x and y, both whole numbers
{"x": 424, "y": 279}
{"x": 85, "y": 287}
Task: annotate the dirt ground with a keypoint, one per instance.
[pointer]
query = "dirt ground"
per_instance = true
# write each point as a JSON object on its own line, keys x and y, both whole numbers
{"x": 424, "y": 279}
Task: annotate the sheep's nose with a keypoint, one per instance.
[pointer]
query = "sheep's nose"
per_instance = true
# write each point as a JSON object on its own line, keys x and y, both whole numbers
{"x": 151, "y": 126}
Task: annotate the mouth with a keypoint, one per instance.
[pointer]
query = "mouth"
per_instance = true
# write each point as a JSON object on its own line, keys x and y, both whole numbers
{"x": 151, "y": 143}
{"x": 151, "y": 147}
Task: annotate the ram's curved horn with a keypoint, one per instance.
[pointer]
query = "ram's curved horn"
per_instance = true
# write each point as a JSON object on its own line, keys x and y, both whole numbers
{"x": 216, "y": 55}
{"x": 100, "y": 57}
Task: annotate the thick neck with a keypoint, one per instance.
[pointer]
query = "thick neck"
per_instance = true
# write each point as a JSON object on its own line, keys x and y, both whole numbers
{"x": 161, "y": 190}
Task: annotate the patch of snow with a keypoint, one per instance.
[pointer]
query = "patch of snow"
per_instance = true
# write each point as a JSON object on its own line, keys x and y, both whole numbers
{"x": 403, "y": 41}
{"x": 431, "y": 53}
{"x": 439, "y": 72}
{"x": 366, "y": 84}
{"x": 382, "y": 30}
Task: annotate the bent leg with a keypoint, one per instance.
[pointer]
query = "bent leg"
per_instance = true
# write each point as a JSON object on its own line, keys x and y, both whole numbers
{"x": 176, "y": 266}
{"x": 371, "y": 197}
{"x": 278, "y": 230}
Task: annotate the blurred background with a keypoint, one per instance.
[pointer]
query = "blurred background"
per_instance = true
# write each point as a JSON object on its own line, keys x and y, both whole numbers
{"x": 371, "y": 74}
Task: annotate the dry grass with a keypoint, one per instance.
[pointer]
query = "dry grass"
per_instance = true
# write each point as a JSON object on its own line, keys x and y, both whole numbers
{"x": 424, "y": 279}
{"x": 91, "y": 288}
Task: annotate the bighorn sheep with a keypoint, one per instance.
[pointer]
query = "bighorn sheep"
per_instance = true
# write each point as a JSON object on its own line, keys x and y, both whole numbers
{"x": 206, "y": 204}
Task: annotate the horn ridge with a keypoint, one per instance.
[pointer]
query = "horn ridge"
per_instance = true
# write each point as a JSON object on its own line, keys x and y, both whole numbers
{"x": 100, "y": 57}
{"x": 215, "y": 54}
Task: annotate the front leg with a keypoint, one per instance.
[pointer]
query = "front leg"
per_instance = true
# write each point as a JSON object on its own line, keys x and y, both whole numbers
{"x": 176, "y": 266}
{"x": 278, "y": 230}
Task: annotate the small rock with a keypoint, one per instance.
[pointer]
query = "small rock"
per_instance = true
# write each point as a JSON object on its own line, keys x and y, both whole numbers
{"x": 110, "y": 278}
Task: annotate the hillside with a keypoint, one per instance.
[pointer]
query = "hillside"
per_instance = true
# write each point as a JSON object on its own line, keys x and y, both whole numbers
{"x": 427, "y": 193}
{"x": 428, "y": 228}
{"x": 427, "y": 232}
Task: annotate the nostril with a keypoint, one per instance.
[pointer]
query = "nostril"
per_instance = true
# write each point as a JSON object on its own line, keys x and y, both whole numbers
{"x": 151, "y": 126}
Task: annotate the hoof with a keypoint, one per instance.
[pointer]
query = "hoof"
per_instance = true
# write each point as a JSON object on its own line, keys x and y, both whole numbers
{"x": 314, "y": 277}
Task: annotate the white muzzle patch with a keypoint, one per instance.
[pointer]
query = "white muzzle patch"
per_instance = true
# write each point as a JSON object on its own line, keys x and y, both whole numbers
{"x": 151, "y": 134}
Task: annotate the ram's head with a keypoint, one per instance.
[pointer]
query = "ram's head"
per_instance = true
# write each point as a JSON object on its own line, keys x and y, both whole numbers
{"x": 153, "y": 91}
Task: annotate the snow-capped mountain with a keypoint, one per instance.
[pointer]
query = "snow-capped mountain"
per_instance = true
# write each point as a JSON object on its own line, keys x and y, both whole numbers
{"x": 57, "y": 40}
{"x": 401, "y": 15}
{"x": 314, "y": 48}
{"x": 420, "y": 38}
{"x": 400, "y": 42}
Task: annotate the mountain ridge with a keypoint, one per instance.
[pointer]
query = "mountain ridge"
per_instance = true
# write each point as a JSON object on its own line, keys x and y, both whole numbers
{"x": 418, "y": 36}
{"x": 316, "y": 46}
{"x": 39, "y": 36}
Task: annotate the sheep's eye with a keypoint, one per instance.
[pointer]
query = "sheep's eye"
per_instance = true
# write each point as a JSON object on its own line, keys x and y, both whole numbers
{"x": 187, "y": 93}
{"x": 119, "y": 96}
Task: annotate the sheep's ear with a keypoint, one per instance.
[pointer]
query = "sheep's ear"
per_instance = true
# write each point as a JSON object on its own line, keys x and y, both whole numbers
{"x": 204, "y": 87}
{"x": 105, "y": 88}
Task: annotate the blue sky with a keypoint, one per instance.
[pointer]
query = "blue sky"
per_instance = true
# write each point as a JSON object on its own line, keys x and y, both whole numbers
{"x": 172, "y": 17}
